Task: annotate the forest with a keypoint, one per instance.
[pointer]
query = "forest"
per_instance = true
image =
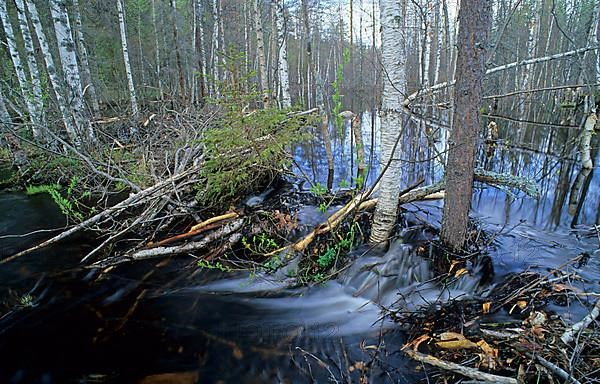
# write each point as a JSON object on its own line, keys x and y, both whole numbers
{"x": 257, "y": 191}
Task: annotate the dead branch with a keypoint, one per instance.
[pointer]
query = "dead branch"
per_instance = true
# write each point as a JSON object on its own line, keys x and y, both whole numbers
{"x": 568, "y": 336}
{"x": 558, "y": 371}
{"x": 133, "y": 200}
{"x": 457, "y": 368}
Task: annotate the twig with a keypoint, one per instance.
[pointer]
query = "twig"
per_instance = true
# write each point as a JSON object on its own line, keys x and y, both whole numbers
{"x": 555, "y": 369}
{"x": 570, "y": 333}
{"x": 457, "y": 368}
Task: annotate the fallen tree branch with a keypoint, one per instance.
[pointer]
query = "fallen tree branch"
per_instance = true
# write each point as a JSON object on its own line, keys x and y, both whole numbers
{"x": 568, "y": 336}
{"x": 169, "y": 251}
{"x": 133, "y": 200}
{"x": 558, "y": 371}
{"x": 457, "y": 368}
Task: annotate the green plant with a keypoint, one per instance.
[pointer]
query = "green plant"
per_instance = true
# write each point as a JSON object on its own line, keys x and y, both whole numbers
{"x": 208, "y": 265}
{"x": 318, "y": 189}
{"x": 68, "y": 205}
{"x": 326, "y": 259}
{"x": 260, "y": 245}
{"x": 26, "y": 300}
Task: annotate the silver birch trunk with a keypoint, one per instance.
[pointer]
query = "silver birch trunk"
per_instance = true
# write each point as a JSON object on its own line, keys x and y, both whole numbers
{"x": 393, "y": 59}
{"x": 5, "y": 120}
{"x": 125, "y": 49}
{"x": 282, "y": 60}
{"x": 55, "y": 81}
{"x": 215, "y": 48}
{"x": 85, "y": 63}
{"x": 157, "y": 51}
{"x": 260, "y": 52}
{"x": 200, "y": 48}
{"x": 68, "y": 59}
{"x": 36, "y": 84}
{"x": 597, "y": 42}
{"x": 24, "y": 83}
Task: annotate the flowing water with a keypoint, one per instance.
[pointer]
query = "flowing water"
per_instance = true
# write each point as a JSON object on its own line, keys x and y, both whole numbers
{"x": 65, "y": 324}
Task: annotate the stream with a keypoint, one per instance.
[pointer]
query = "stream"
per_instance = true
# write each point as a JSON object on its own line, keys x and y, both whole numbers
{"x": 162, "y": 320}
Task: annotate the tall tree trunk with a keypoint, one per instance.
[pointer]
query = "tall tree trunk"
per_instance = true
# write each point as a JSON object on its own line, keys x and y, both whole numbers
{"x": 52, "y": 74}
{"x": 215, "y": 48}
{"x": 33, "y": 108}
{"x": 5, "y": 120}
{"x": 157, "y": 51}
{"x": 180, "y": 70}
{"x": 201, "y": 53}
{"x": 125, "y": 49}
{"x": 34, "y": 73}
{"x": 475, "y": 17}
{"x": 85, "y": 63}
{"x": 260, "y": 51}
{"x": 394, "y": 87}
{"x": 68, "y": 59}
{"x": 282, "y": 62}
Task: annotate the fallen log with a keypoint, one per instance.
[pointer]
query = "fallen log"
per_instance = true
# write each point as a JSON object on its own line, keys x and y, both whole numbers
{"x": 460, "y": 369}
{"x": 151, "y": 253}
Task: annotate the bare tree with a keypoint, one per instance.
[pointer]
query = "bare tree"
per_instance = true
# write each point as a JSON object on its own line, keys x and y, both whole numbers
{"x": 33, "y": 106}
{"x": 55, "y": 81}
{"x": 260, "y": 52}
{"x": 125, "y": 49}
{"x": 393, "y": 60}
{"x": 68, "y": 59}
{"x": 85, "y": 63}
{"x": 282, "y": 62}
{"x": 475, "y": 17}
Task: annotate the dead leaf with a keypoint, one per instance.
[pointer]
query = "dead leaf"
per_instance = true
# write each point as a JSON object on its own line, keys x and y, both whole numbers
{"x": 453, "y": 340}
{"x": 414, "y": 344}
{"x": 489, "y": 357}
{"x": 454, "y": 263}
{"x": 486, "y": 307}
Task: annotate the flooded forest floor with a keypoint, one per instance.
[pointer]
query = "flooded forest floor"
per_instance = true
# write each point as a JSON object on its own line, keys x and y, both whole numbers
{"x": 182, "y": 252}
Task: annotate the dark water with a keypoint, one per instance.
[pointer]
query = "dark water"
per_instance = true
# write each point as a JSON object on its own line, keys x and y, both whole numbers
{"x": 64, "y": 324}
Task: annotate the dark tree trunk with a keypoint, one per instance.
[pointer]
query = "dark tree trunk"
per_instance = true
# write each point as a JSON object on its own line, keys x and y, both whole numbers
{"x": 474, "y": 19}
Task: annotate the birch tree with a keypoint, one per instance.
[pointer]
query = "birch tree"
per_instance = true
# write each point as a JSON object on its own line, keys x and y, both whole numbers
{"x": 282, "y": 61}
{"x": 157, "y": 51}
{"x": 199, "y": 46}
{"x": 260, "y": 52}
{"x": 5, "y": 119}
{"x": 36, "y": 84}
{"x": 393, "y": 61}
{"x": 180, "y": 70}
{"x": 125, "y": 49}
{"x": 55, "y": 81}
{"x": 475, "y": 17}
{"x": 83, "y": 55}
{"x": 68, "y": 59}
{"x": 24, "y": 84}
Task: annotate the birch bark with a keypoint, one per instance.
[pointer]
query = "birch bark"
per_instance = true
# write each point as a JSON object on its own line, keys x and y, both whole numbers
{"x": 157, "y": 50}
{"x": 24, "y": 84}
{"x": 260, "y": 51}
{"x": 85, "y": 63}
{"x": 68, "y": 59}
{"x": 36, "y": 84}
{"x": 125, "y": 49}
{"x": 394, "y": 60}
{"x": 282, "y": 62}
{"x": 55, "y": 81}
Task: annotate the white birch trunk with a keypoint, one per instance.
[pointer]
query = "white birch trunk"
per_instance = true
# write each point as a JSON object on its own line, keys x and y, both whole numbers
{"x": 68, "y": 59}
{"x": 597, "y": 42}
{"x": 85, "y": 63}
{"x": 125, "y": 49}
{"x": 394, "y": 59}
{"x": 24, "y": 84}
{"x": 586, "y": 141}
{"x": 215, "y": 48}
{"x": 5, "y": 120}
{"x": 282, "y": 62}
{"x": 55, "y": 81}
{"x": 200, "y": 48}
{"x": 260, "y": 51}
{"x": 157, "y": 52}
{"x": 34, "y": 74}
